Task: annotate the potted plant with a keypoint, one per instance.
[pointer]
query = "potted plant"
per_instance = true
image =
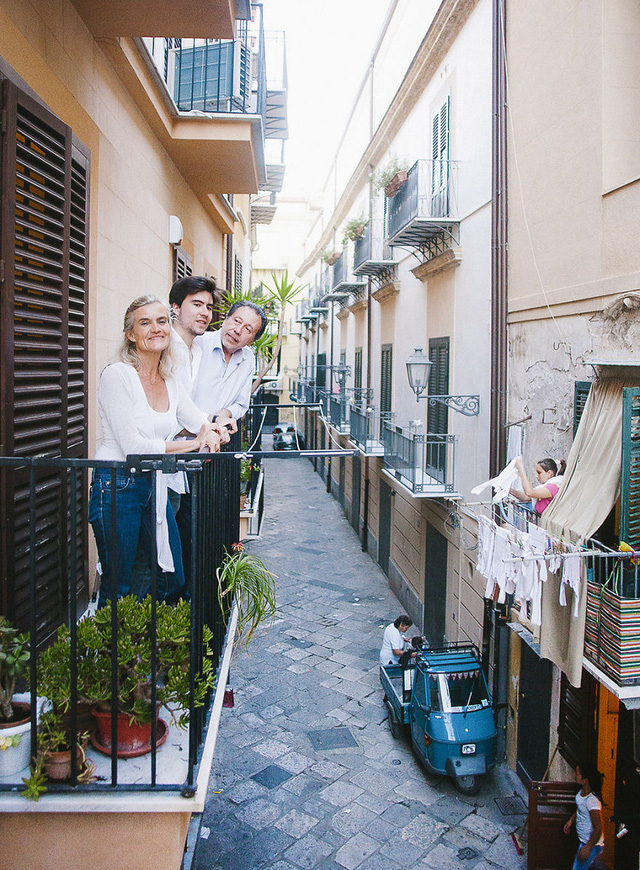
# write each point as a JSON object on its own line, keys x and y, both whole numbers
{"x": 354, "y": 229}
{"x": 391, "y": 176}
{"x": 15, "y": 717}
{"x": 330, "y": 256}
{"x": 133, "y": 704}
{"x": 245, "y": 579}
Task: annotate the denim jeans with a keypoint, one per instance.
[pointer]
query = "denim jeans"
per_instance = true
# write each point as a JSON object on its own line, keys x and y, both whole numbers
{"x": 584, "y": 865}
{"x": 135, "y": 524}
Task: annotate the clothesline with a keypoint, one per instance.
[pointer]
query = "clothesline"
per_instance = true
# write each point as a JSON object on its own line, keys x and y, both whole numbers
{"x": 580, "y": 554}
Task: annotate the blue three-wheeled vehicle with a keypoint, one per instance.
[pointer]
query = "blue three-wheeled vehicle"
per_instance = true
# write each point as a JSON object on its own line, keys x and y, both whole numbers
{"x": 442, "y": 696}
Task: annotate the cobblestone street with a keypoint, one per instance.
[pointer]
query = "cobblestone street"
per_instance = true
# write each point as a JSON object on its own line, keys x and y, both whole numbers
{"x": 306, "y": 773}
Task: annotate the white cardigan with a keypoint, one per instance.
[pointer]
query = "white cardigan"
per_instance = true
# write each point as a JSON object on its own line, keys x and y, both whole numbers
{"x": 129, "y": 426}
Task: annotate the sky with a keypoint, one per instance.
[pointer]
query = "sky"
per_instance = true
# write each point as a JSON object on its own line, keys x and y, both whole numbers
{"x": 329, "y": 45}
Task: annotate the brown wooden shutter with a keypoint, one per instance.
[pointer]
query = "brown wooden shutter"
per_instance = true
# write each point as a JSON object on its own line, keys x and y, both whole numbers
{"x": 43, "y": 246}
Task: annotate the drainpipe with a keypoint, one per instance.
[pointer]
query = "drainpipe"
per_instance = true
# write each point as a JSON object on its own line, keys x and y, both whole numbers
{"x": 365, "y": 506}
{"x": 496, "y": 630}
{"x": 328, "y": 481}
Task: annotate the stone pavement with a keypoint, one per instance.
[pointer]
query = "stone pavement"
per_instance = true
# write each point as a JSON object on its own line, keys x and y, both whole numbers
{"x": 306, "y": 773}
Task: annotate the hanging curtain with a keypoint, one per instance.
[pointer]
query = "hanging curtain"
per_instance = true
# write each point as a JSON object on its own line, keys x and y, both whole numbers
{"x": 589, "y": 491}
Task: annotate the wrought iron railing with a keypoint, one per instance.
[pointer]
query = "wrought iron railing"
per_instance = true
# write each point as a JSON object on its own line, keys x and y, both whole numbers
{"x": 427, "y": 195}
{"x": 423, "y": 463}
{"x": 365, "y": 428}
{"x": 372, "y": 248}
{"x": 339, "y": 412}
{"x": 214, "y": 512}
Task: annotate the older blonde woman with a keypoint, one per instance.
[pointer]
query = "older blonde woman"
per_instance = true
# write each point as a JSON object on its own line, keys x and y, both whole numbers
{"x": 142, "y": 407}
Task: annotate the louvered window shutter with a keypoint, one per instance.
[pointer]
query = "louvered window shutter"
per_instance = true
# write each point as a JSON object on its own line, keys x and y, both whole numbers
{"x": 182, "y": 264}
{"x": 386, "y": 374}
{"x": 630, "y": 471}
{"x": 438, "y": 415}
{"x": 580, "y": 393}
{"x": 357, "y": 369}
{"x": 440, "y": 155}
{"x": 44, "y": 246}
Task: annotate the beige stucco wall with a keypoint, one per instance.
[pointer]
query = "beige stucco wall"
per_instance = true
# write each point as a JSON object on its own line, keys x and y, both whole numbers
{"x": 134, "y": 184}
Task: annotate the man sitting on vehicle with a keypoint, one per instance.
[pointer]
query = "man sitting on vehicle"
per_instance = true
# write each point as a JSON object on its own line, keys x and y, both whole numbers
{"x": 393, "y": 640}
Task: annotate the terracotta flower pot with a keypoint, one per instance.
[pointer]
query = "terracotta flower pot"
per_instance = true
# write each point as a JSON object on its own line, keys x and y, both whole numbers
{"x": 134, "y": 738}
{"x": 396, "y": 183}
{"x": 58, "y": 764}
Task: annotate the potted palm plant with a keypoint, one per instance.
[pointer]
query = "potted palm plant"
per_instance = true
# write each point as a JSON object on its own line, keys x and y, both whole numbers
{"x": 15, "y": 717}
{"x": 244, "y": 579}
{"x": 134, "y": 699}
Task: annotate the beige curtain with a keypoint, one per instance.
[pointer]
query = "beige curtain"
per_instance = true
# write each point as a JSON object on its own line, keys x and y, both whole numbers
{"x": 589, "y": 491}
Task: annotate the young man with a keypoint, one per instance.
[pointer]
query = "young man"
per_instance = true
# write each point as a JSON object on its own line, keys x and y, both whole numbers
{"x": 191, "y": 300}
{"x": 225, "y": 373}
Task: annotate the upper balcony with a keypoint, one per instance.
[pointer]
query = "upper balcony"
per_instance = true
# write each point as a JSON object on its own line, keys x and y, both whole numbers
{"x": 139, "y": 17}
{"x": 365, "y": 428}
{"x": 423, "y": 464}
{"x": 372, "y": 256}
{"x": 424, "y": 208}
{"x": 343, "y": 278}
{"x": 339, "y": 412}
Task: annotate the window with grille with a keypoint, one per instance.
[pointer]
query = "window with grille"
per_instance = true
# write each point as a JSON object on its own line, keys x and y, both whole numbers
{"x": 43, "y": 358}
{"x": 237, "y": 275}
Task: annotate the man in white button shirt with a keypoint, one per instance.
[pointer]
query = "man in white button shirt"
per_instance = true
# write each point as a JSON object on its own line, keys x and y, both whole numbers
{"x": 225, "y": 374}
{"x": 191, "y": 300}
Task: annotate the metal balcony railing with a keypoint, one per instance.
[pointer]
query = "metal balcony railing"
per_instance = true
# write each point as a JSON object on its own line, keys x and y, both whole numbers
{"x": 343, "y": 278}
{"x": 339, "y": 412}
{"x": 613, "y": 611}
{"x": 371, "y": 253}
{"x": 424, "y": 206}
{"x": 215, "y": 491}
{"x": 425, "y": 464}
{"x": 365, "y": 428}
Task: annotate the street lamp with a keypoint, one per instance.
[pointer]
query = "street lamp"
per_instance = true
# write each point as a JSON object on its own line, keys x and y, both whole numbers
{"x": 418, "y": 369}
{"x": 341, "y": 373}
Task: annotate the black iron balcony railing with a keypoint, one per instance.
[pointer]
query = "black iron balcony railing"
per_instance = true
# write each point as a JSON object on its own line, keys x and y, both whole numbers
{"x": 371, "y": 253}
{"x": 365, "y": 428}
{"x": 215, "y": 488}
{"x": 424, "y": 206}
{"x": 425, "y": 464}
{"x": 339, "y": 412}
{"x": 343, "y": 278}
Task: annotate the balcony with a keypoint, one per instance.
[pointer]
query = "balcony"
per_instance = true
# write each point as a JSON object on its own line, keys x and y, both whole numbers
{"x": 372, "y": 256}
{"x": 343, "y": 280}
{"x": 140, "y": 17}
{"x": 339, "y": 412}
{"x": 263, "y": 208}
{"x": 424, "y": 209}
{"x": 365, "y": 428}
{"x": 423, "y": 464}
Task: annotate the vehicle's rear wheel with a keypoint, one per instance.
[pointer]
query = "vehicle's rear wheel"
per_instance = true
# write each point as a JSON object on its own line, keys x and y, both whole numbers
{"x": 468, "y": 785}
{"x": 394, "y": 725}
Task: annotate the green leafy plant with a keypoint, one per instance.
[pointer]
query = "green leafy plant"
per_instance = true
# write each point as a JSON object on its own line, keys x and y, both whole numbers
{"x": 14, "y": 664}
{"x": 330, "y": 256}
{"x": 282, "y": 292}
{"x": 383, "y": 176}
{"x": 173, "y": 653}
{"x": 36, "y": 783}
{"x": 354, "y": 229}
{"x": 245, "y": 579}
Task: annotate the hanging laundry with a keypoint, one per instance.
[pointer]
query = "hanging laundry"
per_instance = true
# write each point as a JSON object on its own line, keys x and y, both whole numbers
{"x": 571, "y": 577}
{"x": 501, "y": 484}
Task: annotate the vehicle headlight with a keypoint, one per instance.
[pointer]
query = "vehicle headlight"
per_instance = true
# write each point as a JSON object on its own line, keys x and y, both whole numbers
{"x": 468, "y": 748}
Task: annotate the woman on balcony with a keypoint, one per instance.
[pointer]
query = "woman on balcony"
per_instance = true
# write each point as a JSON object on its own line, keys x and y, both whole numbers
{"x": 549, "y": 480}
{"x": 142, "y": 407}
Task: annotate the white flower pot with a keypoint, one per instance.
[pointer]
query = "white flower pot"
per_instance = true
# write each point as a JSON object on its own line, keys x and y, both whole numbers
{"x": 15, "y": 757}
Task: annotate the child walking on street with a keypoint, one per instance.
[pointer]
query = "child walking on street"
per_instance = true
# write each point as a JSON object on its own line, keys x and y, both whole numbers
{"x": 588, "y": 816}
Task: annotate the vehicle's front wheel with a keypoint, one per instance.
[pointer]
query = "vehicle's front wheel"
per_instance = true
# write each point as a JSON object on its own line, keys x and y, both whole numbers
{"x": 468, "y": 785}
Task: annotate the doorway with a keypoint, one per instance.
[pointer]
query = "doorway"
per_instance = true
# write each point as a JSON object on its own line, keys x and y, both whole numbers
{"x": 384, "y": 526}
{"x": 534, "y": 711}
{"x": 355, "y": 493}
{"x": 435, "y": 586}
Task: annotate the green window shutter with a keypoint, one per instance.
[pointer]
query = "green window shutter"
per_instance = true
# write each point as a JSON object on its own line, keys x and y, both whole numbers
{"x": 630, "y": 471}
{"x": 386, "y": 372}
{"x": 321, "y": 376}
{"x": 580, "y": 393}
{"x": 438, "y": 415}
{"x": 357, "y": 369}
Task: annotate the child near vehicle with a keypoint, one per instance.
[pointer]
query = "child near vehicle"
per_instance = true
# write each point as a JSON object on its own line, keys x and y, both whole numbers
{"x": 588, "y": 816}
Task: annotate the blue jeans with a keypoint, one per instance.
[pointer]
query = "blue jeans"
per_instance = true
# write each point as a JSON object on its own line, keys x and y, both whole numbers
{"x": 135, "y": 523}
{"x": 593, "y": 854}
